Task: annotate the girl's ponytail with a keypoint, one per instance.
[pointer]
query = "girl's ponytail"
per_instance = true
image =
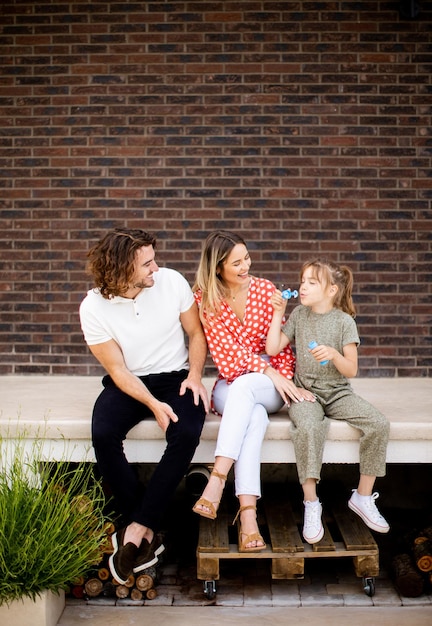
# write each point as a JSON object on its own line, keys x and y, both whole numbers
{"x": 345, "y": 290}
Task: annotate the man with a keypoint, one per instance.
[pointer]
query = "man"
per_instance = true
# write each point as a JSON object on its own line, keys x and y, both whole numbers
{"x": 134, "y": 324}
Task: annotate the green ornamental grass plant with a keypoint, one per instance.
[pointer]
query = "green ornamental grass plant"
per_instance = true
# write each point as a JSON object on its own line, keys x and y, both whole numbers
{"x": 51, "y": 522}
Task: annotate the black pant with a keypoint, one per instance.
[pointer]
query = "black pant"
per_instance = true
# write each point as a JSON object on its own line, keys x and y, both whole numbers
{"x": 115, "y": 413}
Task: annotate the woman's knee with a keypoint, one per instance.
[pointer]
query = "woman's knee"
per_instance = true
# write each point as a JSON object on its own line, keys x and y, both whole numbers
{"x": 259, "y": 418}
{"x": 241, "y": 385}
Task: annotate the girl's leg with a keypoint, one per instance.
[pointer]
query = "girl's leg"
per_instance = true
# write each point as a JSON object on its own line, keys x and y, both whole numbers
{"x": 374, "y": 428}
{"x": 309, "y": 490}
{"x": 309, "y": 430}
{"x": 366, "y": 485}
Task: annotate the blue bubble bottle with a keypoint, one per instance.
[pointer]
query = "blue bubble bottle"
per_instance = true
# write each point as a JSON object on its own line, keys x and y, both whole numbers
{"x": 313, "y": 344}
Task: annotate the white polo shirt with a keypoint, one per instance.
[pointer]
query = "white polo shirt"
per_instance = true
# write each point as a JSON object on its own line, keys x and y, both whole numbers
{"x": 147, "y": 328}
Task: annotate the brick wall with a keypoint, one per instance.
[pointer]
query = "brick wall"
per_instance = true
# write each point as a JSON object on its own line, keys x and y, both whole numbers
{"x": 306, "y": 126}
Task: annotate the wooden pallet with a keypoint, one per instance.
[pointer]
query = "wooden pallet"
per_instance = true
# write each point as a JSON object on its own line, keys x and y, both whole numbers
{"x": 345, "y": 536}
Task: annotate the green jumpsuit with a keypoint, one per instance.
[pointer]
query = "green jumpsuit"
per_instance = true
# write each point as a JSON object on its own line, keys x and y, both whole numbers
{"x": 334, "y": 394}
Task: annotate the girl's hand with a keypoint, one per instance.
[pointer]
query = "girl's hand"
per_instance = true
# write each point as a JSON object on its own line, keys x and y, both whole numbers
{"x": 278, "y": 303}
{"x": 346, "y": 363}
{"x": 323, "y": 353}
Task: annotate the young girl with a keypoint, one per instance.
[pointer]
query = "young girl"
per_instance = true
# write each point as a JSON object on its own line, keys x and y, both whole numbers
{"x": 325, "y": 317}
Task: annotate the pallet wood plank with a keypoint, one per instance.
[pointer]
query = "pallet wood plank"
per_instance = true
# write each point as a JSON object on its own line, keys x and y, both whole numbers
{"x": 326, "y": 544}
{"x": 207, "y": 569}
{"x": 287, "y": 550}
{"x": 354, "y": 531}
{"x": 282, "y": 527}
{"x": 287, "y": 569}
{"x": 366, "y": 566}
{"x": 213, "y": 534}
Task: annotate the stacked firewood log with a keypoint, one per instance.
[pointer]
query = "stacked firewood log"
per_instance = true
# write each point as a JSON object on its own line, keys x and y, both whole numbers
{"x": 413, "y": 568}
{"x": 98, "y": 582}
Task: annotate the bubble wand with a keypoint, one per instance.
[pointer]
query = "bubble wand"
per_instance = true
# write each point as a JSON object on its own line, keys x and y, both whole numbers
{"x": 287, "y": 294}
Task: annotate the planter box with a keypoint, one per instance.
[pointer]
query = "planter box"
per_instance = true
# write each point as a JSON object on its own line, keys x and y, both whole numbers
{"x": 44, "y": 611}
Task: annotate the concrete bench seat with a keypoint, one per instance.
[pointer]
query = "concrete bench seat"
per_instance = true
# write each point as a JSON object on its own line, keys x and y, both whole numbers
{"x": 58, "y": 410}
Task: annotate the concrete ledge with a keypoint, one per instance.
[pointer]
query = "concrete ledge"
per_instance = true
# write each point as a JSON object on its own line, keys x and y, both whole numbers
{"x": 58, "y": 409}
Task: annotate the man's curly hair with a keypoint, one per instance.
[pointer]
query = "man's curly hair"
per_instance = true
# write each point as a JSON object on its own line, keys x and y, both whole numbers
{"x": 111, "y": 260}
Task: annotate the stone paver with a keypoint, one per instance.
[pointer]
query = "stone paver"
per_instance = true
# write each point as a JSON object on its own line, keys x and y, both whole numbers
{"x": 246, "y": 584}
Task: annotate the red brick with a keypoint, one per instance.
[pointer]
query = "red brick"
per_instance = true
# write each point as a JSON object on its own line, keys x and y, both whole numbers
{"x": 308, "y": 132}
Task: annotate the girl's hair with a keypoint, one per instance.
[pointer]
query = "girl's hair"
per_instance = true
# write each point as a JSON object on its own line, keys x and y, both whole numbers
{"x": 111, "y": 261}
{"x": 215, "y": 252}
{"x": 328, "y": 273}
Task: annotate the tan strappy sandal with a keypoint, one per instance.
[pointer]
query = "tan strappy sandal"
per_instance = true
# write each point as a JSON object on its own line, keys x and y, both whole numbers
{"x": 212, "y": 506}
{"x": 249, "y": 538}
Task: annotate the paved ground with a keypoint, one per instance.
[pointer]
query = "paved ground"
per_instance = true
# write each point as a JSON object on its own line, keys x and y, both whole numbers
{"x": 246, "y": 584}
{"x": 257, "y": 616}
{"x": 327, "y": 583}
{"x": 329, "y": 595}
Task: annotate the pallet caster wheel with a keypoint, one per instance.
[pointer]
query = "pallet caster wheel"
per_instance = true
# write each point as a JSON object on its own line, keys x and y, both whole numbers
{"x": 210, "y": 589}
{"x": 369, "y": 586}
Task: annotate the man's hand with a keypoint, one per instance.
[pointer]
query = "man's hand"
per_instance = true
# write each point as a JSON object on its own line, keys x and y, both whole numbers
{"x": 163, "y": 414}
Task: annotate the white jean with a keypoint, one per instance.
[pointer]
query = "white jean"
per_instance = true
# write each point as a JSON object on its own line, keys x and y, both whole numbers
{"x": 244, "y": 406}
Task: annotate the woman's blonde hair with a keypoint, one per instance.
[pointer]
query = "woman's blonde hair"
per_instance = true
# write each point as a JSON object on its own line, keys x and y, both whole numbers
{"x": 328, "y": 273}
{"x": 216, "y": 249}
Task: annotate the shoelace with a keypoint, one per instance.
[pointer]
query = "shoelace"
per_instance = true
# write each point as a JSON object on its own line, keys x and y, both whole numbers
{"x": 371, "y": 506}
{"x": 313, "y": 515}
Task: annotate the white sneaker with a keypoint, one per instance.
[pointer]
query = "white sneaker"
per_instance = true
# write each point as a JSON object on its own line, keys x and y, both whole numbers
{"x": 365, "y": 507}
{"x": 313, "y": 530}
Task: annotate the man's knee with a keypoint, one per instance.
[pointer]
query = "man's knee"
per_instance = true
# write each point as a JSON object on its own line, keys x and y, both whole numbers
{"x": 190, "y": 424}
{"x": 106, "y": 434}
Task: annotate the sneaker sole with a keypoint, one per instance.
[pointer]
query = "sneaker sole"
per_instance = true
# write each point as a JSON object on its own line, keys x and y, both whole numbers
{"x": 153, "y": 561}
{"x": 369, "y": 523}
{"x": 312, "y": 540}
{"x": 111, "y": 565}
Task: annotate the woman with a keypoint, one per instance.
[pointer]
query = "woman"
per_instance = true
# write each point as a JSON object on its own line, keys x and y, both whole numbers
{"x": 236, "y": 312}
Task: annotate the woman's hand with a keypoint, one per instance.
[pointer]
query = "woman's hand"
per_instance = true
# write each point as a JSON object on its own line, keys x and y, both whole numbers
{"x": 287, "y": 389}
